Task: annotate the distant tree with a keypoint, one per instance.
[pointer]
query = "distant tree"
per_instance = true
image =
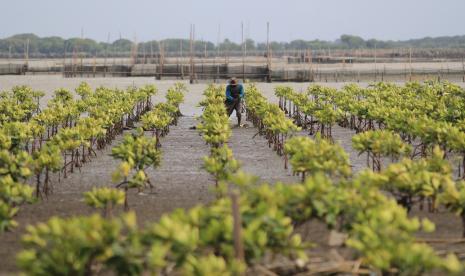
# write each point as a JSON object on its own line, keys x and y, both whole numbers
{"x": 352, "y": 42}
{"x": 122, "y": 45}
{"x": 228, "y": 45}
{"x": 298, "y": 44}
{"x": 250, "y": 44}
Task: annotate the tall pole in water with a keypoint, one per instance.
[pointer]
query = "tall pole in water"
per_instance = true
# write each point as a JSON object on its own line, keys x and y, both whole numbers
{"x": 181, "y": 57}
{"x": 218, "y": 41}
{"x": 106, "y": 56}
{"x": 9, "y": 57}
{"x": 376, "y": 67}
{"x": 162, "y": 53}
{"x": 268, "y": 49}
{"x": 26, "y": 52}
{"x": 64, "y": 58}
{"x": 134, "y": 50}
{"x": 218, "y": 51}
{"x": 243, "y": 52}
{"x": 410, "y": 63}
{"x": 151, "y": 52}
{"x": 191, "y": 50}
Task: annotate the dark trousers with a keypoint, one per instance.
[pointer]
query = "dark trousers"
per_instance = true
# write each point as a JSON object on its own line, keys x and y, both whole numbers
{"x": 236, "y": 104}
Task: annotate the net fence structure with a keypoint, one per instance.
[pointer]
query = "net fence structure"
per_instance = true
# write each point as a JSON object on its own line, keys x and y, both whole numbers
{"x": 302, "y": 68}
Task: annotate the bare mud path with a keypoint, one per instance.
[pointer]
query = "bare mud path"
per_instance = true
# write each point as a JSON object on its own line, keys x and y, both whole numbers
{"x": 256, "y": 157}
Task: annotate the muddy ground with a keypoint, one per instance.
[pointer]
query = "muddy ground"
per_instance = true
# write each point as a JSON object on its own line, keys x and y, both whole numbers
{"x": 180, "y": 182}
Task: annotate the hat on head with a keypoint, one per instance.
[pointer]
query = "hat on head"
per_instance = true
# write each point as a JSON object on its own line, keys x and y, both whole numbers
{"x": 233, "y": 82}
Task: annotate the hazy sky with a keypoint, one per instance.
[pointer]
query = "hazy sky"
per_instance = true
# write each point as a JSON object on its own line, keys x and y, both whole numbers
{"x": 290, "y": 19}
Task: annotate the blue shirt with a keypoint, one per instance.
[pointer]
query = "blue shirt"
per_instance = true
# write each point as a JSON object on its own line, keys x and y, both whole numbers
{"x": 229, "y": 97}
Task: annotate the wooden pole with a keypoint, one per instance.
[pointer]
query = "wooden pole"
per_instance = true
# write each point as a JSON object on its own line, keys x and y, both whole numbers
{"x": 151, "y": 52}
{"x": 463, "y": 69}
{"x": 134, "y": 51}
{"x": 218, "y": 52}
{"x": 74, "y": 62}
{"x": 192, "y": 65}
{"x": 243, "y": 52}
{"x": 9, "y": 58}
{"x": 26, "y": 52}
{"x": 191, "y": 76}
{"x": 106, "y": 56}
{"x": 94, "y": 68}
{"x": 182, "y": 61}
{"x": 268, "y": 49}
{"x": 81, "y": 55}
{"x": 360, "y": 60}
{"x": 144, "y": 54}
{"x": 237, "y": 227}
{"x": 310, "y": 62}
{"x": 64, "y": 58}
{"x": 193, "y": 52}
{"x": 410, "y": 63}
{"x": 161, "y": 47}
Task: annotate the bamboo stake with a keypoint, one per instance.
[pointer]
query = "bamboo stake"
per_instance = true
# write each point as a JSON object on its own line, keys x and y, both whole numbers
{"x": 182, "y": 61}
{"x": 463, "y": 68}
{"x": 64, "y": 59}
{"x": 243, "y": 52}
{"x": 376, "y": 67}
{"x": 191, "y": 70}
{"x": 237, "y": 230}
{"x": 94, "y": 67}
{"x": 106, "y": 56}
{"x": 27, "y": 53}
{"x": 268, "y": 55}
{"x": 151, "y": 52}
{"x": 410, "y": 63}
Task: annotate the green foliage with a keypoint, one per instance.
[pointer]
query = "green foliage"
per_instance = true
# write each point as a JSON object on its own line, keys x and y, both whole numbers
{"x": 423, "y": 178}
{"x": 48, "y": 157}
{"x": 270, "y": 115}
{"x": 73, "y": 246}
{"x": 214, "y": 125}
{"x": 33, "y": 141}
{"x": 175, "y": 95}
{"x": 212, "y": 265}
{"x": 213, "y": 95}
{"x": 137, "y": 153}
{"x": 84, "y": 90}
{"x": 62, "y": 96}
{"x": 156, "y": 119}
{"x": 380, "y": 143}
{"x": 182, "y": 241}
{"x": 384, "y": 236}
{"x": 221, "y": 163}
{"x": 17, "y": 166}
{"x": 309, "y": 156}
{"x": 19, "y": 104}
{"x": 101, "y": 198}
{"x": 12, "y": 194}
{"x": 453, "y": 198}
{"x": 17, "y": 135}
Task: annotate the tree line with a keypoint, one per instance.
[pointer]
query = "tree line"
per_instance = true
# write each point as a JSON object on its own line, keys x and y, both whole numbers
{"x": 56, "y": 46}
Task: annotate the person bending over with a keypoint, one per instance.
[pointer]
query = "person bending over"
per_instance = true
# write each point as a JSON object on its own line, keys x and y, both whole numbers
{"x": 234, "y": 96}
